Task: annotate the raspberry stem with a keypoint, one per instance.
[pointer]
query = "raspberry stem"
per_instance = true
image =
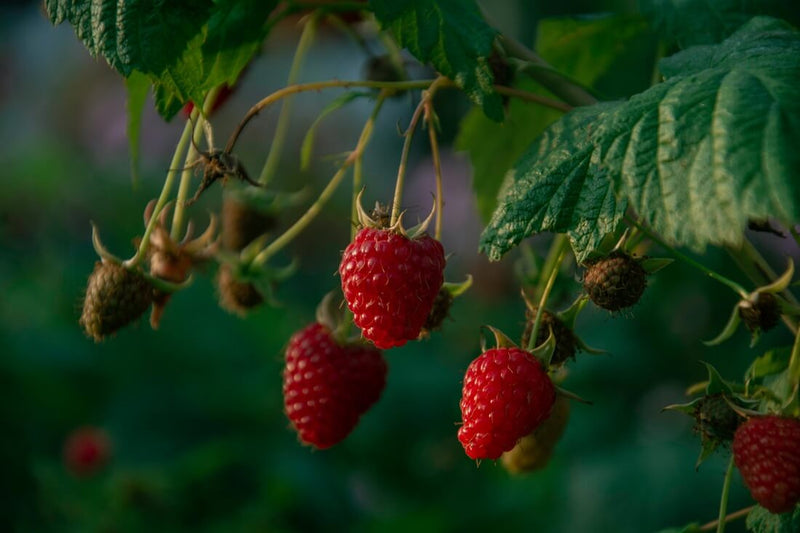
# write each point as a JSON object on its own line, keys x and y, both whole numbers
{"x": 180, "y": 150}
{"x": 723, "y": 501}
{"x": 427, "y": 96}
{"x": 302, "y": 222}
{"x": 533, "y": 97}
{"x": 559, "y": 247}
{"x": 318, "y": 86}
{"x": 738, "y": 289}
{"x": 755, "y": 267}
{"x": 794, "y": 369}
{"x": 430, "y": 120}
{"x": 358, "y": 167}
{"x": 284, "y": 119}
{"x": 538, "y": 69}
{"x": 741, "y": 513}
{"x": 186, "y": 176}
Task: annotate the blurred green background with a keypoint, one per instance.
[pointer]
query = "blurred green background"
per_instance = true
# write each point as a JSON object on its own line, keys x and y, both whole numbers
{"x": 194, "y": 411}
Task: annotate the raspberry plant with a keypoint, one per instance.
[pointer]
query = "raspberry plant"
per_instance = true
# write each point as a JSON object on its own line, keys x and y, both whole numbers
{"x": 688, "y": 162}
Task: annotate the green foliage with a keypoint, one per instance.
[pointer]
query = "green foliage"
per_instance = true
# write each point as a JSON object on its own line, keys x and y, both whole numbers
{"x": 772, "y": 362}
{"x": 688, "y": 23}
{"x": 218, "y": 55}
{"x": 696, "y": 156}
{"x": 557, "y": 188}
{"x": 759, "y": 520}
{"x": 144, "y": 35}
{"x": 581, "y": 49}
{"x": 137, "y": 85}
{"x": 452, "y": 35}
{"x": 185, "y": 47}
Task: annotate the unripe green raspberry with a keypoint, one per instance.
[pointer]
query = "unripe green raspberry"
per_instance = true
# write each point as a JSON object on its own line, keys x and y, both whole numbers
{"x": 533, "y": 451}
{"x": 115, "y": 297}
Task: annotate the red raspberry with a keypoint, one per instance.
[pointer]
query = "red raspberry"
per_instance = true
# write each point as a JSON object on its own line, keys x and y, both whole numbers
{"x": 767, "y": 452}
{"x": 506, "y": 395}
{"x": 327, "y": 387}
{"x": 390, "y": 283}
{"x": 86, "y": 450}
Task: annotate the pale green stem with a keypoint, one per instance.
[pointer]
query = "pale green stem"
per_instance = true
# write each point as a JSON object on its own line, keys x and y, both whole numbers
{"x": 738, "y": 289}
{"x": 166, "y": 190}
{"x": 794, "y": 364}
{"x": 741, "y": 513}
{"x": 755, "y": 267}
{"x": 186, "y": 176}
{"x": 558, "y": 250}
{"x": 284, "y": 119}
{"x": 753, "y": 264}
{"x": 533, "y": 97}
{"x": 317, "y": 86}
{"x": 557, "y": 247}
{"x": 437, "y": 169}
{"x": 401, "y": 168}
{"x": 723, "y": 501}
{"x": 558, "y": 84}
{"x": 358, "y": 179}
{"x": 302, "y": 222}
{"x": 427, "y": 96}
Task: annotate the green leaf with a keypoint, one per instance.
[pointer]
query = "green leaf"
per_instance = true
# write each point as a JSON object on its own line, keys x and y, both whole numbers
{"x": 696, "y": 156}
{"x": 716, "y": 384}
{"x": 582, "y": 49}
{"x": 772, "y": 362}
{"x": 692, "y": 22}
{"x": 187, "y": 47}
{"x": 137, "y": 86}
{"x": 558, "y": 188}
{"x": 453, "y": 36}
{"x": 233, "y": 35}
{"x": 759, "y": 520}
{"x": 143, "y": 35}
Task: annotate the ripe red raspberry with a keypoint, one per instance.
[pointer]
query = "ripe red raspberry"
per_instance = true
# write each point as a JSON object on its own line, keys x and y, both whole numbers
{"x": 767, "y": 452}
{"x": 615, "y": 282}
{"x": 506, "y": 395}
{"x": 327, "y": 387}
{"x": 390, "y": 283}
{"x": 86, "y": 450}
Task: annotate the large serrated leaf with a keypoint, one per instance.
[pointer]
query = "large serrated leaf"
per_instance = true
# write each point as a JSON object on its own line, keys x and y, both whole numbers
{"x": 759, "y": 520}
{"x": 185, "y": 47}
{"x": 453, "y": 36}
{"x": 558, "y": 188}
{"x": 143, "y": 35}
{"x": 229, "y": 41}
{"x": 696, "y": 155}
{"x": 584, "y": 50}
